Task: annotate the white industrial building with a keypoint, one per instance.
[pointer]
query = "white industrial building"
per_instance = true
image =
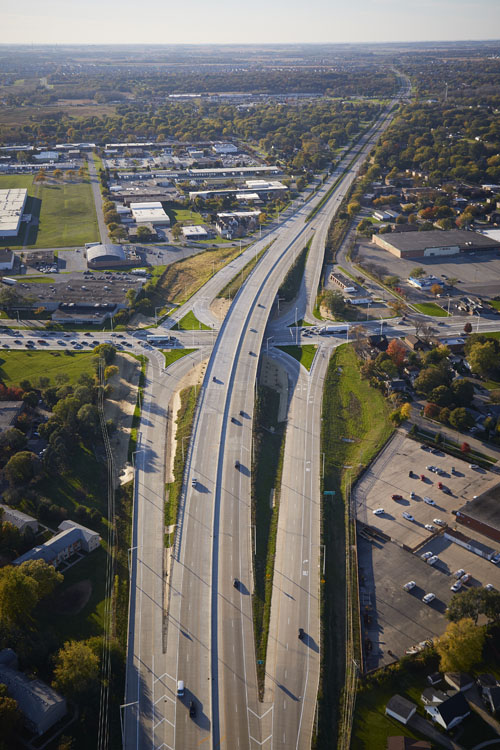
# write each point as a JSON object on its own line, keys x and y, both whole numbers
{"x": 195, "y": 233}
{"x": 47, "y": 156}
{"x": 12, "y": 203}
{"x": 150, "y": 213}
{"x": 222, "y": 147}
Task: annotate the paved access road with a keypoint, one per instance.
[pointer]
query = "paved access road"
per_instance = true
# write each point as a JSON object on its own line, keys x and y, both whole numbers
{"x": 95, "y": 184}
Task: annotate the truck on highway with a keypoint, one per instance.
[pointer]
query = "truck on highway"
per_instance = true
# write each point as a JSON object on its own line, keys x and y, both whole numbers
{"x": 9, "y": 281}
{"x": 333, "y": 330}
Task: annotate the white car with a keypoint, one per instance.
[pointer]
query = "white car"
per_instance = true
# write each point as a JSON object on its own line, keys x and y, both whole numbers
{"x": 194, "y": 482}
{"x": 459, "y": 573}
{"x": 428, "y": 598}
{"x": 378, "y": 511}
{"x": 465, "y": 578}
{"x": 411, "y": 585}
{"x": 488, "y": 587}
{"x": 456, "y": 586}
{"x": 426, "y": 555}
{"x": 408, "y": 516}
{"x": 473, "y": 466}
{"x": 429, "y": 501}
{"x": 439, "y": 522}
{"x": 430, "y": 527}
{"x": 430, "y": 468}
{"x": 432, "y": 560}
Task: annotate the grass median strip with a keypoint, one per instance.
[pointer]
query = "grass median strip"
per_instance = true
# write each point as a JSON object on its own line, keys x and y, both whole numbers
{"x": 173, "y": 355}
{"x": 355, "y": 427}
{"x": 233, "y": 287}
{"x": 190, "y": 323}
{"x": 269, "y": 442}
{"x": 303, "y": 354}
{"x": 184, "y": 426}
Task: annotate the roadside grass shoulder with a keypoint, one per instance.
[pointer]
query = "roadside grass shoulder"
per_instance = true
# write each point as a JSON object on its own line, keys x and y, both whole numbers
{"x": 190, "y": 323}
{"x": 352, "y": 411}
{"x": 430, "y": 308}
{"x": 173, "y": 355}
{"x": 233, "y": 287}
{"x": 20, "y": 365}
{"x": 184, "y": 423}
{"x": 303, "y": 354}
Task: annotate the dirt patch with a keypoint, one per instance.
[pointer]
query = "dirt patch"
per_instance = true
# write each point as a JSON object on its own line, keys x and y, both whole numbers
{"x": 220, "y": 307}
{"x": 74, "y": 598}
{"x": 121, "y": 405}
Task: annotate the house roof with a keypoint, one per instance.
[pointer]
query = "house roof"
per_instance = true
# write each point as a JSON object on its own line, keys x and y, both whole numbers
{"x": 401, "y": 706}
{"x": 50, "y": 550}
{"x": 434, "y": 696}
{"x": 15, "y": 516}
{"x": 459, "y": 680}
{"x": 453, "y": 707}
{"x": 87, "y": 534}
{"x": 493, "y": 694}
{"x": 34, "y": 697}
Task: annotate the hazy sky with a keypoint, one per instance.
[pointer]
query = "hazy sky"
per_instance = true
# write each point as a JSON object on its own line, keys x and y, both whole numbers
{"x": 267, "y": 21}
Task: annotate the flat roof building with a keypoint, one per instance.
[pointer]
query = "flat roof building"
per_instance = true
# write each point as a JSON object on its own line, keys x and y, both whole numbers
{"x": 434, "y": 243}
{"x": 151, "y": 212}
{"x": 483, "y": 514}
{"x": 12, "y": 203}
{"x": 195, "y": 232}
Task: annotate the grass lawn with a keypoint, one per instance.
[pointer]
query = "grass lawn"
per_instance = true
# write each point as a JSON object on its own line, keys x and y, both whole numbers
{"x": 303, "y": 354}
{"x": 66, "y": 212}
{"x": 233, "y": 287}
{"x": 430, "y": 308}
{"x": 182, "y": 279}
{"x": 351, "y": 409}
{"x": 495, "y": 303}
{"x": 174, "y": 354}
{"x": 183, "y": 215}
{"x": 17, "y": 366}
{"x": 190, "y": 323}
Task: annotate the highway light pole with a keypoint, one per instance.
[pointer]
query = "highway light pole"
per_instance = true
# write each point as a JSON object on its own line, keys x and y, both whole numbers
{"x": 156, "y": 315}
{"x": 267, "y": 343}
{"x": 125, "y": 705}
{"x": 296, "y": 327}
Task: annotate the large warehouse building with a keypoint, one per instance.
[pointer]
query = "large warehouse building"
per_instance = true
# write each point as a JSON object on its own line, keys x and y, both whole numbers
{"x": 483, "y": 514}
{"x": 434, "y": 243}
{"x": 111, "y": 256}
{"x": 12, "y": 203}
{"x": 150, "y": 213}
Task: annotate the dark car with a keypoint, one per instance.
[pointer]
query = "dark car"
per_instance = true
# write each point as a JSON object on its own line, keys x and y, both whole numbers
{"x": 192, "y": 709}
{"x": 301, "y": 634}
{"x": 236, "y": 583}
{"x": 236, "y": 464}
{"x": 397, "y": 497}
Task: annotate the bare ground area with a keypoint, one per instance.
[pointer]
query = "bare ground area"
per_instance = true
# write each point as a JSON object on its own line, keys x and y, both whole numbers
{"x": 121, "y": 405}
{"x": 220, "y": 307}
{"x": 74, "y": 598}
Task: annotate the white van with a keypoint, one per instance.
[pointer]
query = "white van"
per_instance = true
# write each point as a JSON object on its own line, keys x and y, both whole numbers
{"x": 180, "y": 688}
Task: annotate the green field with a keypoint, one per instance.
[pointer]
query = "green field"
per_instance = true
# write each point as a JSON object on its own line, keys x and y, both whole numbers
{"x": 174, "y": 354}
{"x": 190, "y": 323}
{"x": 303, "y": 354}
{"x": 430, "y": 308}
{"x": 66, "y": 212}
{"x": 178, "y": 214}
{"x": 17, "y": 366}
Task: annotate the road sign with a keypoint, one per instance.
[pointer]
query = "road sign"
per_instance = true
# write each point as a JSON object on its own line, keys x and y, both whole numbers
{"x": 329, "y": 492}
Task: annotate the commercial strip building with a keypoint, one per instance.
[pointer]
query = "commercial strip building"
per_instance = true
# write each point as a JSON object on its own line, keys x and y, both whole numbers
{"x": 256, "y": 189}
{"x": 12, "y": 203}
{"x": 195, "y": 233}
{"x": 434, "y": 243}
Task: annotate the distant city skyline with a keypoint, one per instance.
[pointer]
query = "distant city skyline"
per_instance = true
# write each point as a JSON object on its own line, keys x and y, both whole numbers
{"x": 220, "y": 22}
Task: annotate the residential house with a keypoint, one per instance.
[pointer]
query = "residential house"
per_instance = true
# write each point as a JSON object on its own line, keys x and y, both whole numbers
{"x": 90, "y": 540}
{"x": 434, "y": 678}
{"x": 450, "y": 712}
{"x": 39, "y": 704}
{"x": 433, "y": 697}
{"x": 459, "y": 680}
{"x": 414, "y": 343}
{"x": 400, "y": 708}
{"x": 18, "y": 519}
{"x": 71, "y": 539}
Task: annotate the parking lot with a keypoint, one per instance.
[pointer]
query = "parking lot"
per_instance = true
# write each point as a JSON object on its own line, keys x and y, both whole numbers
{"x": 389, "y": 476}
{"x": 478, "y": 273}
{"x": 395, "y": 620}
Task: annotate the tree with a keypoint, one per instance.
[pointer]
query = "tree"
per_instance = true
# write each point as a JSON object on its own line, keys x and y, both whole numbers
{"x": 76, "y": 670}
{"x": 463, "y": 391}
{"x": 405, "y": 411}
{"x": 465, "y": 447}
{"x": 10, "y": 718}
{"x": 21, "y": 468}
{"x": 442, "y": 396}
{"x": 107, "y": 352}
{"x": 431, "y": 410}
{"x": 66, "y": 411}
{"x": 460, "y": 419}
{"x": 130, "y": 296}
{"x": 334, "y": 302}
{"x": 397, "y": 352}
{"x": 436, "y": 289}
{"x": 417, "y": 272}
{"x": 483, "y": 357}
{"x": 468, "y": 328}
{"x": 110, "y": 371}
{"x": 46, "y": 576}
{"x": 397, "y": 306}
{"x": 177, "y": 229}
{"x": 144, "y": 234}
{"x": 88, "y": 418}
{"x": 430, "y": 378}
{"x": 18, "y": 596}
{"x": 12, "y": 440}
{"x": 461, "y": 646}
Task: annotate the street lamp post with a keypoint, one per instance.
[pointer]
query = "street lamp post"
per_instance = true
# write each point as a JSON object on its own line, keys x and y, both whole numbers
{"x": 267, "y": 343}
{"x": 296, "y": 327}
{"x": 156, "y": 314}
{"x": 125, "y": 705}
